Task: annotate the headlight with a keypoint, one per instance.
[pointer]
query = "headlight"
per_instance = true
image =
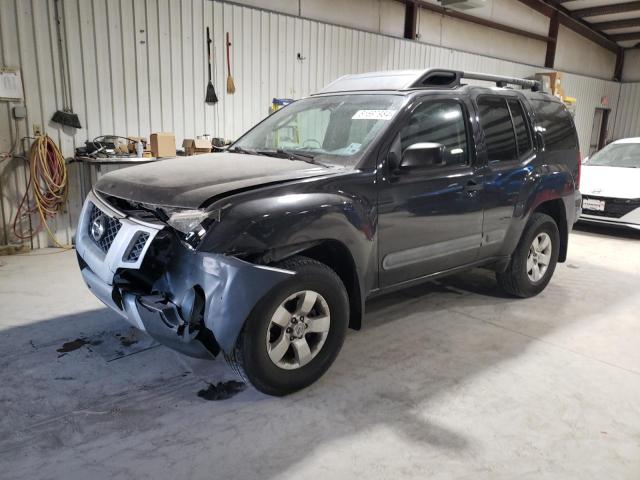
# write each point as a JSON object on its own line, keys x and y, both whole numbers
{"x": 192, "y": 223}
{"x": 186, "y": 221}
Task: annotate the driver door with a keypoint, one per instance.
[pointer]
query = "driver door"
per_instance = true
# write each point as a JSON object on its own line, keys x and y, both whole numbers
{"x": 430, "y": 216}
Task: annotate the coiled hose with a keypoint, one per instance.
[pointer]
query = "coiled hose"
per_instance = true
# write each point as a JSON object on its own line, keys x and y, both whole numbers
{"x": 49, "y": 182}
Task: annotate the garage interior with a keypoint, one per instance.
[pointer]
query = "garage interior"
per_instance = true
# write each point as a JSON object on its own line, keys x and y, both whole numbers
{"x": 450, "y": 378}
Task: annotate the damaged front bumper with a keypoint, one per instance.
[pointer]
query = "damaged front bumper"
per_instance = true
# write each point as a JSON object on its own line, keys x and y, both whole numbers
{"x": 199, "y": 301}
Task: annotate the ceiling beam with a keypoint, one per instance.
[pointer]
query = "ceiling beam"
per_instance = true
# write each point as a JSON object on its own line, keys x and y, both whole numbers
{"x": 614, "y": 24}
{"x": 579, "y": 26}
{"x": 478, "y": 20}
{"x": 622, "y": 37}
{"x": 606, "y": 9}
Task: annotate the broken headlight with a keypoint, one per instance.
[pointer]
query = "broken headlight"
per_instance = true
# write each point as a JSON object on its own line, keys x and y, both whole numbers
{"x": 192, "y": 223}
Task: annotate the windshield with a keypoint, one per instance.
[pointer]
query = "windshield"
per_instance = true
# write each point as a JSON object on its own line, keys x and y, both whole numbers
{"x": 333, "y": 129}
{"x": 626, "y": 155}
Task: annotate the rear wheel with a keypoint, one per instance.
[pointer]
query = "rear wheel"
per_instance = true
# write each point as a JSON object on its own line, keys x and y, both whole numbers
{"x": 295, "y": 332}
{"x": 534, "y": 260}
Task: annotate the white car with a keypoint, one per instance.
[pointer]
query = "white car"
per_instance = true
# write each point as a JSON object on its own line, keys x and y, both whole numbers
{"x": 610, "y": 185}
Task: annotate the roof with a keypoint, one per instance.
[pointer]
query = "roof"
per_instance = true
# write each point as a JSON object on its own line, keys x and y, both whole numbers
{"x": 628, "y": 140}
{"x": 404, "y": 80}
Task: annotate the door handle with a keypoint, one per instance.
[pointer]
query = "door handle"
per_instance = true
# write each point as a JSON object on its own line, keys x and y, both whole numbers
{"x": 473, "y": 187}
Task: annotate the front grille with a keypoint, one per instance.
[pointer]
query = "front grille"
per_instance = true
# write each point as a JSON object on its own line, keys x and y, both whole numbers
{"x": 613, "y": 207}
{"x": 136, "y": 249}
{"x": 111, "y": 228}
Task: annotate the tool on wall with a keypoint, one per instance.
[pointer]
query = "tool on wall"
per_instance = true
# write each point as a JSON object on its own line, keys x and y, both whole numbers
{"x": 231, "y": 87}
{"x": 211, "y": 96}
{"x": 66, "y": 115}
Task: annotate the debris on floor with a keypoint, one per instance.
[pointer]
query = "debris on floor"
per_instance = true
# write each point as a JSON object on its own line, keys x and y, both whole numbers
{"x": 112, "y": 345}
{"x": 222, "y": 390}
{"x": 72, "y": 345}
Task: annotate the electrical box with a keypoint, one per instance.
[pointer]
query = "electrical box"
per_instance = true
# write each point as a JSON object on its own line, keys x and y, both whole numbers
{"x": 19, "y": 111}
{"x": 463, "y": 4}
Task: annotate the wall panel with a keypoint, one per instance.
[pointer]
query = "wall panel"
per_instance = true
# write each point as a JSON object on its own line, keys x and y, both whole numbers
{"x": 627, "y": 120}
{"x": 139, "y": 67}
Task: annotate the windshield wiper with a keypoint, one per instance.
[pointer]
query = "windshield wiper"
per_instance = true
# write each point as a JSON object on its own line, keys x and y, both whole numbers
{"x": 242, "y": 150}
{"x": 291, "y": 155}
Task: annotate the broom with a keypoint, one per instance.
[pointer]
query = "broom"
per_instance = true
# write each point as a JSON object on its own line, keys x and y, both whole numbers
{"x": 231, "y": 87}
{"x": 66, "y": 115}
{"x": 211, "y": 96}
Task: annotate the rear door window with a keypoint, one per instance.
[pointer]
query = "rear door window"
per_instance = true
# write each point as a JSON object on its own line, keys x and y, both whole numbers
{"x": 555, "y": 124}
{"x": 495, "y": 120}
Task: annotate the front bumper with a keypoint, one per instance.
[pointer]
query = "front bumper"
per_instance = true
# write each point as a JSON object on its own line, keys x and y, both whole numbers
{"x": 618, "y": 212}
{"x": 198, "y": 304}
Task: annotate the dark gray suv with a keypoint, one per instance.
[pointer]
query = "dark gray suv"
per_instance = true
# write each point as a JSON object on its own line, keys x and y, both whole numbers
{"x": 267, "y": 252}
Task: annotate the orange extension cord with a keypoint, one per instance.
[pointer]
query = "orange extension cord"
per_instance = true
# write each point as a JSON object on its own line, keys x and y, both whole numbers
{"x": 49, "y": 182}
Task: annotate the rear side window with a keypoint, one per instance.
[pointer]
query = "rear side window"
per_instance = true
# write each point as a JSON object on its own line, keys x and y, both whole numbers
{"x": 495, "y": 120}
{"x": 556, "y": 125}
{"x": 523, "y": 137}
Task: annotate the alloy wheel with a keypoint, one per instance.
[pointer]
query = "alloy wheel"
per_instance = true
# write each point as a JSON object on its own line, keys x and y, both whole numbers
{"x": 539, "y": 257}
{"x": 298, "y": 329}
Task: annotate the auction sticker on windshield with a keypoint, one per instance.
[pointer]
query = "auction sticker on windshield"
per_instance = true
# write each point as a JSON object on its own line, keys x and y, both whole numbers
{"x": 593, "y": 204}
{"x": 373, "y": 115}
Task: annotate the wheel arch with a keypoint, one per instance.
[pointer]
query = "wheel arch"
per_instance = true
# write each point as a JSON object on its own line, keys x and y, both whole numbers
{"x": 556, "y": 209}
{"x": 335, "y": 255}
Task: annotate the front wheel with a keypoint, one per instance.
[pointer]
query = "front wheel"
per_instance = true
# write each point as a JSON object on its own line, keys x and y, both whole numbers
{"x": 295, "y": 332}
{"x": 534, "y": 260}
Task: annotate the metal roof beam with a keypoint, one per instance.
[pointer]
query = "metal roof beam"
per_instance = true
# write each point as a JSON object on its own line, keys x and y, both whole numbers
{"x": 615, "y": 24}
{"x": 621, "y": 37}
{"x": 606, "y": 9}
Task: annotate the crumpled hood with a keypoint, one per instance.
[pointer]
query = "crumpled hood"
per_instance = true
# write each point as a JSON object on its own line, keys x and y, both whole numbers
{"x": 190, "y": 181}
{"x": 616, "y": 182}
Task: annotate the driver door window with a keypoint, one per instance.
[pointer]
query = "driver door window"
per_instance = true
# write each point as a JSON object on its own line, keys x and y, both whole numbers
{"x": 440, "y": 121}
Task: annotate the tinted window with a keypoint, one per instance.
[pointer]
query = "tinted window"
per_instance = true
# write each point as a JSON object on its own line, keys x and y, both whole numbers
{"x": 439, "y": 122}
{"x": 523, "y": 137}
{"x": 498, "y": 129}
{"x": 555, "y": 123}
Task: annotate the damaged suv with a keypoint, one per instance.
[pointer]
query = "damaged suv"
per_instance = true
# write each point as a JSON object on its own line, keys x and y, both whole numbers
{"x": 267, "y": 252}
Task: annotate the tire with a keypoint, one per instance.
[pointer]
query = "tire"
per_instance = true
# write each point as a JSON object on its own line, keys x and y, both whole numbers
{"x": 520, "y": 279}
{"x": 262, "y": 338}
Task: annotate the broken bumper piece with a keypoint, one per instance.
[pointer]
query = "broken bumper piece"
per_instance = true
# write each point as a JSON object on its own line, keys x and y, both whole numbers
{"x": 199, "y": 303}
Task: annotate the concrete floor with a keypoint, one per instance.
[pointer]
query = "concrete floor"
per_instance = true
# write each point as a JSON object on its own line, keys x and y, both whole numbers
{"x": 447, "y": 380}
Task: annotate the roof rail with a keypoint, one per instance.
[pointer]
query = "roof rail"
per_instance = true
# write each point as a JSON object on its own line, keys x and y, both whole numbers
{"x": 412, "y": 79}
{"x": 451, "y": 79}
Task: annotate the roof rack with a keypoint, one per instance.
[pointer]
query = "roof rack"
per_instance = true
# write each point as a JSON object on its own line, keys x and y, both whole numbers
{"x": 451, "y": 79}
{"x": 412, "y": 79}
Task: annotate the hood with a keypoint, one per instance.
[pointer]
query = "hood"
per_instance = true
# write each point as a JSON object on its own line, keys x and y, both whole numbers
{"x": 190, "y": 181}
{"x": 616, "y": 182}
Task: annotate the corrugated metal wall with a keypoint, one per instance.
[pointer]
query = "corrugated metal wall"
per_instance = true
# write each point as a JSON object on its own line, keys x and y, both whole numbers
{"x": 628, "y": 115}
{"x": 139, "y": 67}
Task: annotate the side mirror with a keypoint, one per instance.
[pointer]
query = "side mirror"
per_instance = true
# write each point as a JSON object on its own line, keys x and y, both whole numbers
{"x": 422, "y": 155}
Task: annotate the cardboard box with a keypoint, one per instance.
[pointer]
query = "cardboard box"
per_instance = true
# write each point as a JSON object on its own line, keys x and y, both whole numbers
{"x": 196, "y": 146}
{"x": 554, "y": 82}
{"x": 163, "y": 144}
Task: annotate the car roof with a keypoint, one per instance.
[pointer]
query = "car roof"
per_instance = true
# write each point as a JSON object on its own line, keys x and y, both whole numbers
{"x": 628, "y": 140}
{"x": 406, "y": 82}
